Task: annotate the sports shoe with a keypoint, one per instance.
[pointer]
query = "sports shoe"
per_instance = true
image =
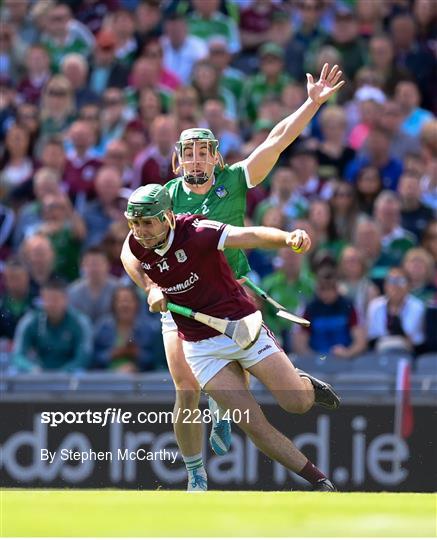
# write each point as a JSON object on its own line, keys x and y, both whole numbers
{"x": 197, "y": 481}
{"x": 324, "y": 485}
{"x": 221, "y": 437}
{"x": 324, "y": 393}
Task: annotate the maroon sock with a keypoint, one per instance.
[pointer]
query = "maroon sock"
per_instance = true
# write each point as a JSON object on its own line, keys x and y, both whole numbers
{"x": 311, "y": 473}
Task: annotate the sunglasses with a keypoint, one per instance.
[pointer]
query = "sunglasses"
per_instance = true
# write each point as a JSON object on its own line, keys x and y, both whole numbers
{"x": 399, "y": 281}
{"x": 112, "y": 102}
{"x": 57, "y": 93}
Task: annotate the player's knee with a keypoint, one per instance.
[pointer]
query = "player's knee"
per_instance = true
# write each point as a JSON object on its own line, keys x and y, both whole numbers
{"x": 188, "y": 396}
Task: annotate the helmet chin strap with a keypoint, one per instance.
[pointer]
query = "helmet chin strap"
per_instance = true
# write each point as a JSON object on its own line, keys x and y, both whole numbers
{"x": 196, "y": 180}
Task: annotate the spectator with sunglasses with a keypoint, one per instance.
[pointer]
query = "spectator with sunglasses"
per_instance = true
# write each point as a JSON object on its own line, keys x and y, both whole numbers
{"x": 396, "y": 319}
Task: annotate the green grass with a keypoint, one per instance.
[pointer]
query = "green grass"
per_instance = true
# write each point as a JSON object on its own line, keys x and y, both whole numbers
{"x": 175, "y": 513}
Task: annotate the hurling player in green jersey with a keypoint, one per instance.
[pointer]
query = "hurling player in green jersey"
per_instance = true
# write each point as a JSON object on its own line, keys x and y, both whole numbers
{"x": 208, "y": 186}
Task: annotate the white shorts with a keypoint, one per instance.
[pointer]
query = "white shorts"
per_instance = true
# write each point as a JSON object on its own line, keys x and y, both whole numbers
{"x": 208, "y": 356}
{"x": 167, "y": 323}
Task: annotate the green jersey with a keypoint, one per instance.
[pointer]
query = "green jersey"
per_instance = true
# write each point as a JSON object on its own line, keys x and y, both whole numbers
{"x": 225, "y": 202}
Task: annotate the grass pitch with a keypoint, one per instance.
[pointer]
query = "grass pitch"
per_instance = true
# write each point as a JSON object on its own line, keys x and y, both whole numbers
{"x": 176, "y": 513}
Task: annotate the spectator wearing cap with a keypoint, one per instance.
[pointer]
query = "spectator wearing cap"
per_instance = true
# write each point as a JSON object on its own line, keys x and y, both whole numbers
{"x": 370, "y": 101}
{"x": 15, "y": 300}
{"x": 220, "y": 57}
{"x": 207, "y": 21}
{"x": 180, "y": 50}
{"x": 92, "y": 293}
{"x": 335, "y": 328}
{"x": 407, "y": 96}
{"x": 419, "y": 60}
{"x": 75, "y": 68}
{"x": 396, "y": 319}
{"x": 105, "y": 70}
{"x": 61, "y": 37}
{"x": 270, "y": 81}
{"x": 377, "y": 155}
{"x": 395, "y": 240}
{"x": 107, "y": 207}
{"x": 37, "y": 74}
{"x": 53, "y": 338}
{"x": 415, "y": 216}
{"x": 345, "y": 39}
{"x": 154, "y": 164}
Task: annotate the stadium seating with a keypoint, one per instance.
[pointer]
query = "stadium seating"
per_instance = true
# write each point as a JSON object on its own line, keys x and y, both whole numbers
{"x": 379, "y": 363}
{"x": 426, "y": 364}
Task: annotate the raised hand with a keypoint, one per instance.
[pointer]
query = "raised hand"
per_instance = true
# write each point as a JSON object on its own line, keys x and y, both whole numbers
{"x": 329, "y": 83}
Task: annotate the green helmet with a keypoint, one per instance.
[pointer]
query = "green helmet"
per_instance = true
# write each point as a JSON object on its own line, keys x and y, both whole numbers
{"x": 196, "y": 134}
{"x": 149, "y": 201}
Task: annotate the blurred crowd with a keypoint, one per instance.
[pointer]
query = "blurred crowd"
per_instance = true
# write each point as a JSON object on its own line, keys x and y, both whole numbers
{"x": 93, "y": 95}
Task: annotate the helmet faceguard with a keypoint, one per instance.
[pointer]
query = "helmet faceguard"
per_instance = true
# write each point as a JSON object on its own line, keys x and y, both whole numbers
{"x": 147, "y": 208}
{"x": 197, "y": 154}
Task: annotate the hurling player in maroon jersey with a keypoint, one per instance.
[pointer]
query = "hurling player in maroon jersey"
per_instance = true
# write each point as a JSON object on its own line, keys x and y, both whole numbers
{"x": 184, "y": 256}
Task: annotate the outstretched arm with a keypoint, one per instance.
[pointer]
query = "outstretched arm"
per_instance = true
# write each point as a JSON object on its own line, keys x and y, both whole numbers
{"x": 263, "y": 159}
{"x": 266, "y": 237}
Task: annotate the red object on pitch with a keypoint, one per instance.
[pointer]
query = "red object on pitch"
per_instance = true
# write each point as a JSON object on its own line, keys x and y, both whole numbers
{"x": 404, "y": 417}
